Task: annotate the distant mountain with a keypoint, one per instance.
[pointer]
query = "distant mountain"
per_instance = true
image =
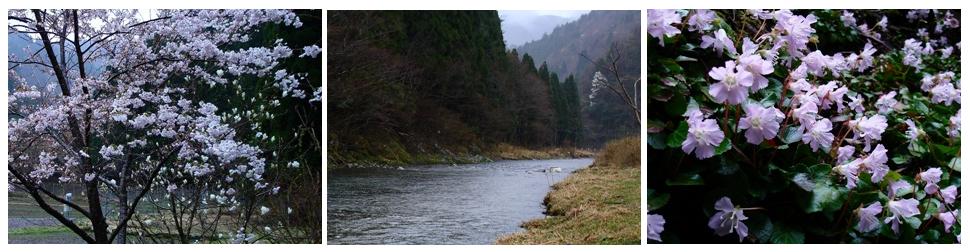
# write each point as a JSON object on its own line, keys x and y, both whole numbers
{"x": 592, "y": 34}
{"x": 517, "y": 31}
{"x": 21, "y": 46}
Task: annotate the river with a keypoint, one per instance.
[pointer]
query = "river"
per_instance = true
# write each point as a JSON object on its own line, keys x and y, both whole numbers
{"x": 439, "y": 204}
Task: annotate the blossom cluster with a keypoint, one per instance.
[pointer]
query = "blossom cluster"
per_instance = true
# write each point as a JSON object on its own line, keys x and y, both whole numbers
{"x": 143, "y": 108}
{"x": 784, "y": 93}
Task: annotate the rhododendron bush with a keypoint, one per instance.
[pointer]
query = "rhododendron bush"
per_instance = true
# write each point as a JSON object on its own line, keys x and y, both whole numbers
{"x": 803, "y": 126}
{"x": 132, "y": 114}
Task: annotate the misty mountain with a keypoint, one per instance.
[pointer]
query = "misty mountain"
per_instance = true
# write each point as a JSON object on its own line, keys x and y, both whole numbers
{"x": 25, "y": 46}
{"x": 594, "y": 35}
{"x": 21, "y": 46}
{"x": 518, "y": 30}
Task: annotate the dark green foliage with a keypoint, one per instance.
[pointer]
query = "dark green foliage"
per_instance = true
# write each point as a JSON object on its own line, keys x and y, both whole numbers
{"x": 405, "y": 84}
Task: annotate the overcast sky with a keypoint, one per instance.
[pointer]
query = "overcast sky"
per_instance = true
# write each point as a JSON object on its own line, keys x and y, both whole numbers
{"x": 519, "y": 27}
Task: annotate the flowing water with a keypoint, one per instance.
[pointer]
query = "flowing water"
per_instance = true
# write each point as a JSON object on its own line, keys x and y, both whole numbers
{"x": 439, "y": 204}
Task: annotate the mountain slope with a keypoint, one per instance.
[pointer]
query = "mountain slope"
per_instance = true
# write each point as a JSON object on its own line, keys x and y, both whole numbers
{"x": 592, "y": 35}
{"x": 595, "y": 35}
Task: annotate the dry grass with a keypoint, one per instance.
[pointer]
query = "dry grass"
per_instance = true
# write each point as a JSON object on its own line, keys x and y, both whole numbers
{"x": 595, "y": 205}
{"x": 623, "y": 153}
{"x": 512, "y": 152}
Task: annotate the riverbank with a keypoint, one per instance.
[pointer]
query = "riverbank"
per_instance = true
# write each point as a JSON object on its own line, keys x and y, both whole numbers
{"x": 395, "y": 155}
{"x": 595, "y": 205}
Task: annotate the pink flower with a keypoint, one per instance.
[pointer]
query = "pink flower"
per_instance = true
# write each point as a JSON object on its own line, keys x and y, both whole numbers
{"x": 659, "y": 23}
{"x": 867, "y": 217}
{"x": 850, "y": 171}
{"x": 913, "y": 132}
{"x": 945, "y": 93}
{"x": 703, "y": 136}
{"x": 876, "y": 163}
{"x": 954, "y": 130}
{"x": 732, "y": 85}
{"x": 719, "y": 42}
{"x": 848, "y": 19}
{"x": 931, "y": 177}
{"x": 864, "y": 60}
{"x": 752, "y": 62}
{"x": 819, "y": 135}
{"x": 761, "y": 123}
{"x": 655, "y": 226}
{"x": 900, "y": 188}
{"x": 901, "y": 209}
{"x": 869, "y": 128}
{"x": 883, "y": 23}
{"x": 945, "y": 52}
{"x": 815, "y": 62}
{"x": 728, "y": 219}
{"x": 855, "y": 103}
{"x": 845, "y": 153}
{"x": 795, "y": 31}
{"x": 806, "y": 114}
{"x": 830, "y": 93}
{"x": 701, "y": 20}
{"x": 948, "y": 218}
{"x": 949, "y": 194}
{"x": 886, "y": 102}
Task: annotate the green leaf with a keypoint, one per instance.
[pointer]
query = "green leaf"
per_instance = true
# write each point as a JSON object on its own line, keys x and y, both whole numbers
{"x": 901, "y": 159}
{"x": 728, "y": 166}
{"x": 803, "y": 181}
{"x": 672, "y": 66}
{"x": 657, "y": 140}
{"x": 955, "y": 164}
{"x": 654, "y": 126}
{"x": 656, "y": 200}
{"x": 677, "y": 105}
{"x": 891, "y": 176}
{"x": 723, "y": 147}
{"x": 687, "y": 47}
{"x": 840, "y": 118}
{"x": 791, "y": 135}
{"x": 917, "y": 148}
{"x": 913, "y": 222}
{"x": 931, "y": 236}
{"x": 820, "y": 171}
{"x": 825, "y": 196}
{"x": 685, "y": 59}
{"x": 674, "y": 140}
{"x": 686, "y": 179}
{"x": 691, "y": 105}
{"x": 931, "y": 208}
{"x": 946, "y": 150}
{"x": 760, "y": 227}
{"x": 919, "y": 107}
{"x": 783, "y": 234}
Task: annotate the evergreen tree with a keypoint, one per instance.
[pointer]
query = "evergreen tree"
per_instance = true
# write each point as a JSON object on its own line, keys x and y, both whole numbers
{"x": 529, "y": 62}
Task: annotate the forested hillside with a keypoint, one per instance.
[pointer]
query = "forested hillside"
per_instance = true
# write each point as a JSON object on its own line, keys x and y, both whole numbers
{"x": 417, "y": 86}
{"x": 594, "y": 43}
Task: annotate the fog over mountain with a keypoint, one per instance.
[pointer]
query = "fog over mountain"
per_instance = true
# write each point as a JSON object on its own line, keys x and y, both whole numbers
{"x": 519, "y": 27}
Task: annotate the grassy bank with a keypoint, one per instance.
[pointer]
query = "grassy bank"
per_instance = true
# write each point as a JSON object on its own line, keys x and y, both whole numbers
{"x": 393, "y": 154}
{"x": 596, "y": 205}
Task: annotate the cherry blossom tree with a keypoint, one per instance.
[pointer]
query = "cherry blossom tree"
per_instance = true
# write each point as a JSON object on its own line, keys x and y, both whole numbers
{"x": 130, "y": 117}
